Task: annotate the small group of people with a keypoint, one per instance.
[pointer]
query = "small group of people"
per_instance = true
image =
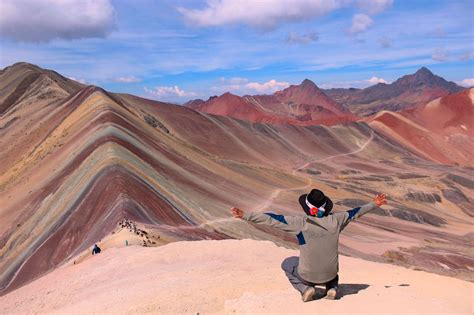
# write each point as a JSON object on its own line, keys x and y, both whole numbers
{"x": 317, "y": 231}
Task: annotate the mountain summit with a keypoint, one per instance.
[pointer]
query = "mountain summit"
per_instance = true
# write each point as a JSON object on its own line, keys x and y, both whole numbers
{"x": 424, "y": 71}
{"x": 23, "y": 80}
{"x": 303, "y": 104}
{"x": 424, "y": 78}
{"x": 308, "y": 84}
{"x": 406, "y": 92}
{"x": 307, "y": 88}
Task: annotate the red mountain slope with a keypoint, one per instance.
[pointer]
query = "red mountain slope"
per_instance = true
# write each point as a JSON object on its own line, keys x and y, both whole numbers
{"x": 441, "y": 130}
{"x": 303, "y": 104}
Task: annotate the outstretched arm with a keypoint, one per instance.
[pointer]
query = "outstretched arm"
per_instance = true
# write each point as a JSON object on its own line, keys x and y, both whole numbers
{"x": 290, "y": 224}
{"x": 357, "y": 212}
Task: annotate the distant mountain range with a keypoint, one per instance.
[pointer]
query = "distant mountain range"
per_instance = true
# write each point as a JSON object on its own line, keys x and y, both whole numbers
{"x": 303, "y": 104}
{"x": 406, "y": 92}
{"x": 306, "y": 104}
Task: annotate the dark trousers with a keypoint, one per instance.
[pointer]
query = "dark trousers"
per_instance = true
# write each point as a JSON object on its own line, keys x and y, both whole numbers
{"x": 290, "y": 264}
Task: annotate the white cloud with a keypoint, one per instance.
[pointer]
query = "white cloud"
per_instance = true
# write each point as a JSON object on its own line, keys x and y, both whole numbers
{"x": 226, "y": 88}
{"x": 242, "y": 86}
{"x": 78, "y": 80}
{"x": 375, "y": 80}
{"x": 360, "y": 23}
{"x": 440, "y": 54}
{"x": 127, "y": 79}
{"x": 168, "y": 92}
{"x": 467, "y": 82}
{"x": 267, "y": 87}
{"x": 262, "y": 14}
{"x": 374, "y": 6}
{"x": 235, "y": 85}
{"x": 295, "y": 38}
{"x": 45, "y": 20}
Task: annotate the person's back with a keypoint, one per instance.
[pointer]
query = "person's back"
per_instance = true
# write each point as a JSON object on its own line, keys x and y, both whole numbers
{"x": 318, "y": 248}
{"x": 318, "y": 236}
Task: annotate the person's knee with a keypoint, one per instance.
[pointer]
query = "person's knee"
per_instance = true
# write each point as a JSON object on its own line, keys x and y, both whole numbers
{"x": 333, "y": 283}
{"x": 289, "y": 263}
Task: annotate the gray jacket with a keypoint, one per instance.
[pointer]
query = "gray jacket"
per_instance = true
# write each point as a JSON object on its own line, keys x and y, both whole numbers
{"x": 318, "y": 238}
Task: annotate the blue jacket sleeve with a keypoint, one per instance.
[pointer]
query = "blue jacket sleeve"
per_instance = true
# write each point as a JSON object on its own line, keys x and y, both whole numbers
{"x": 348, "y": 216}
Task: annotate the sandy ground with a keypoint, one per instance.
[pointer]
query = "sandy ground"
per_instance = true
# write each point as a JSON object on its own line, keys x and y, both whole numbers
{"x": 227, "y": 277}
{"x": 122, "y": 237}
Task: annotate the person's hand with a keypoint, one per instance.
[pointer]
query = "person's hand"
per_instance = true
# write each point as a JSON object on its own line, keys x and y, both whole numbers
{"x": 237, "y": 213}
{"x": 380, "y": 199}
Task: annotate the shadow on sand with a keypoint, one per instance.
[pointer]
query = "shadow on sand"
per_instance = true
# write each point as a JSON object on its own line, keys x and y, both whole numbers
{"x": 344, "y": 289}
{"x": 350, "y": 288}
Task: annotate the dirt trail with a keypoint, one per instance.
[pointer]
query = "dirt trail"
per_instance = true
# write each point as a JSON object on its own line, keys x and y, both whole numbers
{"x": 309, "y": 184}
{"x": 267, "y": 202}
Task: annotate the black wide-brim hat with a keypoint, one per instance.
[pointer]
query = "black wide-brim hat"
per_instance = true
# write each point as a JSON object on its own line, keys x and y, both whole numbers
{"x": 317, "y": 198}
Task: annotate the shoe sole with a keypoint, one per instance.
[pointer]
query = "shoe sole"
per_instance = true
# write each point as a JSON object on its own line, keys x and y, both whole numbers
{"x": 331, "y": 295}
{"x": 308, "y": 295}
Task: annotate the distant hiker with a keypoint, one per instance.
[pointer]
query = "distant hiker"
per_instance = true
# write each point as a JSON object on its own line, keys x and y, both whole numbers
{"x": 96, "y": 249}
{"x": 318, "y": 236}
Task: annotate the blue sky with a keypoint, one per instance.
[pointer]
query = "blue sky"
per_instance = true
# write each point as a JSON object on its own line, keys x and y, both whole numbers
{"x": 179, "y": 50}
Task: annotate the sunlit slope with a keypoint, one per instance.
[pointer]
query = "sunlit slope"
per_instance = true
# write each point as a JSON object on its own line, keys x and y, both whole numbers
{"x": 441, "y": 131}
